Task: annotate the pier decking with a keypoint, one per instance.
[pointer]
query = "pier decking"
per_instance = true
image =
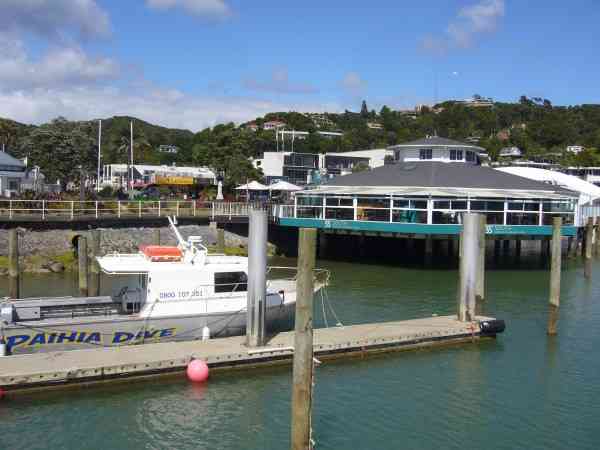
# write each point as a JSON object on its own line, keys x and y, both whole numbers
{"x": 59, "y": 368}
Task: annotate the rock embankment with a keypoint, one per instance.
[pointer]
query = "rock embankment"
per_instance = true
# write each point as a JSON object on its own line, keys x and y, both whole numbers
{"x": 53, "y": 250}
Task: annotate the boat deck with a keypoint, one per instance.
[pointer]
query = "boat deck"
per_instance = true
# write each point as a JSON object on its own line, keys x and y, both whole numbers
{"x": 59, "y": 368}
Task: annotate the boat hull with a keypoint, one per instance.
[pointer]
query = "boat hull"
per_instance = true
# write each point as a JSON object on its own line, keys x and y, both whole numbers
{"x": 35, "y": 337}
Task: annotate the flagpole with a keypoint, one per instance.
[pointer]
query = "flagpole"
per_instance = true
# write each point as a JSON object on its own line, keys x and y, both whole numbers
{"x": 99, "y": 154}
{"x": 131, "y": 153}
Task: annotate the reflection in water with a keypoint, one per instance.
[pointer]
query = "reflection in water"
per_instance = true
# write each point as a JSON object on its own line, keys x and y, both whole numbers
{"x": 522, "y": 390}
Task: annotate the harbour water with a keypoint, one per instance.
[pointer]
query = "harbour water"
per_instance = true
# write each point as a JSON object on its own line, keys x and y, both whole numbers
{"x": 523, "y": 390}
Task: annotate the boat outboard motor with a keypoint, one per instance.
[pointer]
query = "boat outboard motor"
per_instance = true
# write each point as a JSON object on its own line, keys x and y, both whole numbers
{"x": 492, "y": 327}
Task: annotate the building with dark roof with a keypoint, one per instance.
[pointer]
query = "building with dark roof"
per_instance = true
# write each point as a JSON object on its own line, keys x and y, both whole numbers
{"x": 430, "y": 197}
{"x": 434, "y": 148}
{"x": 12, "y": 171}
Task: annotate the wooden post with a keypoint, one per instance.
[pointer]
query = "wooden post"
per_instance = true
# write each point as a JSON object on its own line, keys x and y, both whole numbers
{"x": 480, "y": 282}
{"x": 257, "y": 278}
{"x": 220, "y": 240}
{"x": 94, "y": 267}
{"x": 14, "y": 290}
{"x": 82, "y": 258}
{"x": 156, "y": 236}
{"x": 518, "y": 248}
{"x": 468, "y": 267}
{"x": 303, "y": 342}
{"x": 554, "y": 298}
{"x": 589, "y": 230}
{"x": 428, "y": 249}
{"x": 496, "y": 248}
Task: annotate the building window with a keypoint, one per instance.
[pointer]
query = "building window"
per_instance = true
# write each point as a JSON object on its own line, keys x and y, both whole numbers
{"x": 470, "y": 156}
{"x": 231, "y": 282}
{"x": 456, "y": 155}
{"x": 426, "y": 153}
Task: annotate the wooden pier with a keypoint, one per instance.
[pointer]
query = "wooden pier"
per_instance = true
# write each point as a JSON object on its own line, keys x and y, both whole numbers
{"x": 40, "y": 370}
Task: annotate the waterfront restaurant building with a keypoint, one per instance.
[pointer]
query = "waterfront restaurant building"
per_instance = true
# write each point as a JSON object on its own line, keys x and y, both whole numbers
{"x": 429, "y": 197}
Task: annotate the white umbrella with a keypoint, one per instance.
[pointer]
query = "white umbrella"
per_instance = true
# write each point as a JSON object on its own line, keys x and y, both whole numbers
{"x": 252, "y": 186}
{"x": 284, "y": 186}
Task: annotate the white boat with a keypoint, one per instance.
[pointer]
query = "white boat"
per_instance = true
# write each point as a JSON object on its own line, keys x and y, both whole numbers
{"x": 160, "y": 294}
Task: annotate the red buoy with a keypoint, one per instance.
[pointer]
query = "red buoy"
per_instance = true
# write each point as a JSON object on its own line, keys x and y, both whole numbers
{"x": 197, "y": 371}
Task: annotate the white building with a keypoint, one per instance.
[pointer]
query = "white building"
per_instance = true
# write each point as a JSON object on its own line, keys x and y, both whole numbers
{"x": 575, "y": 149}
{"x": 168, "y": 149}
{"x": 273, "y": 125}
{"x": 510, "y": 152}
{"x": 115, "y": 175}
{"x": 12, "y": 172}
{"x": 305, "y": 168}
{"x": 589, "y": 174}
{"x": 438, "y": 149}
{"x": 376, "y": 156}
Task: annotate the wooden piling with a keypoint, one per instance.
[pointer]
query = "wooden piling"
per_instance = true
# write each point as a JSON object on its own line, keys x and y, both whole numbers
{"x": 468, "y": 266}
{"x": 156, "y": 238}
{"x": 555, "y": 267}
{"x": 496, "y": 248}
{"x": 95, "y": 237}
{"x": 589, "y": 233}
{"x": 82, "y": 258}
{"x": 480, "y": 282}
{"x": 220, "y": 240}
{"x": 303, "y": 342}
{"x": 518, "y": 243}
{"x": 14, "y": 289}
{"x": 428, "y": 249}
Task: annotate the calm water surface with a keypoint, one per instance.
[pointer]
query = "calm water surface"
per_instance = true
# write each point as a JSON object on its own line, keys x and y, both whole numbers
{"x": 523, "y": 390}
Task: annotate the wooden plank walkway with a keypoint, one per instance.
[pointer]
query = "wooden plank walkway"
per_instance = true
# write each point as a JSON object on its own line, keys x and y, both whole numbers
{"x": 48, "y": 369}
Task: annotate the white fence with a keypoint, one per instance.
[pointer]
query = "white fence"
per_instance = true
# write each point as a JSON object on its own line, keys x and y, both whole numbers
{"x": 70, "y": 210}
{"x": 40, "y": 210}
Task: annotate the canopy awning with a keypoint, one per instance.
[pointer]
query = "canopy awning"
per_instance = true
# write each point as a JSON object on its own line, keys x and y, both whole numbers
{"x": 284, "y": 186}
{"x": 252, "y": 186}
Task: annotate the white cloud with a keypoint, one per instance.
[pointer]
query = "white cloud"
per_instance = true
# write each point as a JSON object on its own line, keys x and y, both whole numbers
{"x": 483, "y": 17}
{"x": 166, "y": 107}
{"x": 55, "y": 18}
{"x": 471, "y": 21}
{"x": 216, "y": 9}
{"x": 58, "y": 67}
{"x": 279, "y": 83}
{"x": 353, "y": 83}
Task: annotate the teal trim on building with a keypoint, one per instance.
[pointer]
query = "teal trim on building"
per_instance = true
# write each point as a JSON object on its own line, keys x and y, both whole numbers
{"x": 418, "y": 228}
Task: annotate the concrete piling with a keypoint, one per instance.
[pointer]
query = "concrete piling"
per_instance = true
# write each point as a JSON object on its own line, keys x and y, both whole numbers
{"x": 303, "y": 342}
{"x": 257, "y": 278}
{"x": 468, "y": 266}
{"x": 14, "y": 289}
{"x": 597, "y": 238}
{"x": 82, "y": 259}
{"x": 480, "y": 282}
{"x": 589, "y": 234}
{"x": 220, "y": 240}
{"x": 554, "y": 298}
{"x": 94, "y": 288}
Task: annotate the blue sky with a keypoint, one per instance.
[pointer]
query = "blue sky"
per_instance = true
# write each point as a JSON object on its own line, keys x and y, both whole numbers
{"x": 194, "y": 63}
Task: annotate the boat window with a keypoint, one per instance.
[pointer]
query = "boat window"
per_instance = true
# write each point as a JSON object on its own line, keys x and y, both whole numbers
{"x": 231, "y": 282}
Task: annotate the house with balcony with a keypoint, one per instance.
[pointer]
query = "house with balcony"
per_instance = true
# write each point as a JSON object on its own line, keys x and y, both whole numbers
{"x": 434, "y": 148}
